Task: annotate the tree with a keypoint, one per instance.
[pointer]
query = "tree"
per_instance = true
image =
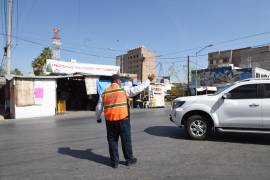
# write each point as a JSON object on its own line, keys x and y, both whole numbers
{"x": 40, "y": 61}
{"x": 16, "y": 72}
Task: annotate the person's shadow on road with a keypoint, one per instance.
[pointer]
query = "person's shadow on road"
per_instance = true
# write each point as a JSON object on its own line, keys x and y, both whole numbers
{"x": 87, "y": 154}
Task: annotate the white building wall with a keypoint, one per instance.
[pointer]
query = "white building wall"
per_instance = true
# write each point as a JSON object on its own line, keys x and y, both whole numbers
{"x": 260, "y": 73}
{"x": 45, "y": 102}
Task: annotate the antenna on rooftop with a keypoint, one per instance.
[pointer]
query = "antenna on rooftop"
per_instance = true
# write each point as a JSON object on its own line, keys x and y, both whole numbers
{"x": 56, "y": 43}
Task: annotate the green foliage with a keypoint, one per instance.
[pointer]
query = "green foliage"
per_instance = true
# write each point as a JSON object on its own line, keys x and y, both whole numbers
{"x": 40, "y": 61}
{"x": 16, "y": 72}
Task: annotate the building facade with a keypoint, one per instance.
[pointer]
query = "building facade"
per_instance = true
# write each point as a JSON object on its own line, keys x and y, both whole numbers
{"x": 223, "y": 58}
{"x": 138, "y": 61}
{"x": 255, "y": 57}
{"x": 244, "y": 58}
{"x": 221, "y": 76}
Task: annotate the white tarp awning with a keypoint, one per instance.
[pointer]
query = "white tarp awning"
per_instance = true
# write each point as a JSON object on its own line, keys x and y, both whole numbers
{"x": 208, "y": 88}
{"x": 91, "y": 85}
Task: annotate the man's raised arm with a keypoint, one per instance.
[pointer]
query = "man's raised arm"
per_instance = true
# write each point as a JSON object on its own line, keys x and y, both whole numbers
{"x": 133, "y": 91}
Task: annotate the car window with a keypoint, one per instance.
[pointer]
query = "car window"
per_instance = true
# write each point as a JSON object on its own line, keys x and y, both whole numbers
{"x": 266, "y": 91}
{"x": 221, "y": 89}
{"x": 248, "y": 91}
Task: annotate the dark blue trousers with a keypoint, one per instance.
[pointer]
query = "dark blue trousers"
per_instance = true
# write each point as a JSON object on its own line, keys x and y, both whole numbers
{"x": 114, "y": 130}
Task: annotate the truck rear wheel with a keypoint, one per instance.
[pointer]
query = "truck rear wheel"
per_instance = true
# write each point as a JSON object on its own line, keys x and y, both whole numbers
{"x": 198, "y": 127}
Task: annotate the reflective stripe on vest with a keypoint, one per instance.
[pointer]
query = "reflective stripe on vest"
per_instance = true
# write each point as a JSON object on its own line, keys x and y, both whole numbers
{"x": 115, "y": 103}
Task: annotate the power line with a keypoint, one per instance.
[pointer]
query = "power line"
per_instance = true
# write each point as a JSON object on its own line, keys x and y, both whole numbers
{"x": 68, "y": 44}
{"x": 83, "y": 44}
{"x": 157, "y": 57}
{"x": 214, "y": 43}
{"x": 2, "y": 16}
{"x": 29, "y": 10}
{"x": 5, "y": 16}
{"x": 242, "y": 37}
{"x": 17, "y": 21}
{"x": 197, "y": 64}
{"x": 63, "y": 49}
{"x": 181, "y": 57}
{"x": 180, "y": 51}
{"x": 84, "y": 53}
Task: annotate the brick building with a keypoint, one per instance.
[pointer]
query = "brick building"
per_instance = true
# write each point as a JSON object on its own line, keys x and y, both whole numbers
{"x": 138, "y": 61}
{"x": 256, "y": 57}
{"x": 245, "y": 57}
{"x": 221, "y": 58}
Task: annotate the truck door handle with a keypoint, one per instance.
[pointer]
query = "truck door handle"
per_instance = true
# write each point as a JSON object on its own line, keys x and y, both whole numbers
{"x": 253, "y": 105}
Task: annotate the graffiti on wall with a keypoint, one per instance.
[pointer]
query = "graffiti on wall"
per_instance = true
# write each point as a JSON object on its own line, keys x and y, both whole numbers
{"x": 220, "y": 75}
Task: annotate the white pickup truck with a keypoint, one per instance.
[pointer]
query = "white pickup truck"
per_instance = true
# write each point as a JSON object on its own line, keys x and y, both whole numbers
{"x": 243, "y": 106}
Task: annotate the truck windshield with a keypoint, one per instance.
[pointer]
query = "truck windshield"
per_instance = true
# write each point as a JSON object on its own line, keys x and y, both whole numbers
{"x": 222, "y": 89}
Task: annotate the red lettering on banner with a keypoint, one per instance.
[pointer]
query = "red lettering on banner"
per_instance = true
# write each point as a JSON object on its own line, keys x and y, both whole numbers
{"x": 95, "y": 69}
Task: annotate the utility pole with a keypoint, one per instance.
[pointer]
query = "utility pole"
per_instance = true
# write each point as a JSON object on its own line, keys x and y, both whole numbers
{"x": 196, "y": 73}
{"x": 249, "y": 62}
{"x": 8, "y": 42}
{"x": 122, "y": 64}
{"x": 188, "y": 90}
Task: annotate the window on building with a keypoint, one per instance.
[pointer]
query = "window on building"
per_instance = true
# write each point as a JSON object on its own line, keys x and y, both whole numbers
{"x": 225, "y": 60}
{"x": 211, "y": 61}
{"x": 258, "y": 75}
{"x": 214, "y": 62}
{"x": 220, "y": 61}
{"x": 137, "y": 55}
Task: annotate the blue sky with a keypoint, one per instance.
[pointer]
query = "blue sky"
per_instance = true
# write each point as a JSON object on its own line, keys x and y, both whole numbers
{"x": 107, "y": 28}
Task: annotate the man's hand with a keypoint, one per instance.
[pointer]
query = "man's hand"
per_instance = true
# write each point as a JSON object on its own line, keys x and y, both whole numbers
{"x": 151, "y": 77}
{"x": 99, "y": 121}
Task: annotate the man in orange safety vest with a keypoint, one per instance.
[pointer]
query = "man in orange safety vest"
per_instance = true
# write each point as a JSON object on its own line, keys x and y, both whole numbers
{"x": 114, "y": 103}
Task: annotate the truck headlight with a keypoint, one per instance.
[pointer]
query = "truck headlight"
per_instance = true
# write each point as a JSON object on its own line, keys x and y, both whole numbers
{"x": 177, "y": 104}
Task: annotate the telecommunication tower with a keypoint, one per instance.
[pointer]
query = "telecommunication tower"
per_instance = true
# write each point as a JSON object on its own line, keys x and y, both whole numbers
{"x": 56, "y": 43}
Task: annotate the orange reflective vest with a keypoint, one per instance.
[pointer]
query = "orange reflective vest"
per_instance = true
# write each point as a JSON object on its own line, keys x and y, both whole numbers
{"x": 115, "y": 104}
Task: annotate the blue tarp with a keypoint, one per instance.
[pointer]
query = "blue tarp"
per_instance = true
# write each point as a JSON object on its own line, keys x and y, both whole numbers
{"x": 103, "y": 84}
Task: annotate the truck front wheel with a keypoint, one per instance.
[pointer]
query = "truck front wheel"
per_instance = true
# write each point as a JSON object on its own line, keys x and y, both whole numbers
{"x": 197, "y": 127}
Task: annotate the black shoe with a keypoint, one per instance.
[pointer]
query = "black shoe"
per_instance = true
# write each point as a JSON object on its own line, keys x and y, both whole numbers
{"x": 131, "y": 162}
{"x": 115, "y": 165}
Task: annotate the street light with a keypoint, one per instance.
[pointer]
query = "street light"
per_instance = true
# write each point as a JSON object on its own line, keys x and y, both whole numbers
{"x": 207, "y": 46}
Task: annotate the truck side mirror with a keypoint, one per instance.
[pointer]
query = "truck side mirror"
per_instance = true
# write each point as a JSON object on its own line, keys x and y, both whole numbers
{"x": 226, "y": 96}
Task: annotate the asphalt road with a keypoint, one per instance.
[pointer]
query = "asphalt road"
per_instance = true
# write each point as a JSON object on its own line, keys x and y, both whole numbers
{"x": 75, "y": 147}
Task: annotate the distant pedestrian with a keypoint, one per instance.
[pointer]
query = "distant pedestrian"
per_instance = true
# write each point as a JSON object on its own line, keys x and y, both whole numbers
{"x": 114, "y": 102}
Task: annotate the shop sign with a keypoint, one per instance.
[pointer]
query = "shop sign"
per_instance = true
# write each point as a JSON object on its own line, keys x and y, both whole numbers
{"x": 63, "y": 67}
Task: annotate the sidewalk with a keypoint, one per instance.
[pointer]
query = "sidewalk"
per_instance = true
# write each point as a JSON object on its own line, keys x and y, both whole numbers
{"x": 60, "y": 116}
{"x": 63, "y": 116}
